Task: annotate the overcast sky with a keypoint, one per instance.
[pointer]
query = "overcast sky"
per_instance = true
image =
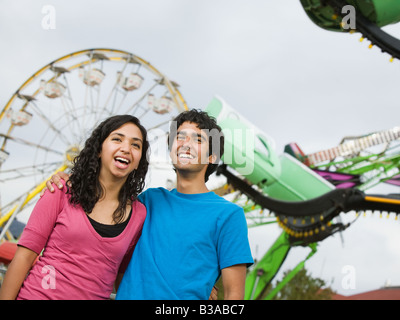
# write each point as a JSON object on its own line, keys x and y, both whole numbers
{"x": 293, "y": 80}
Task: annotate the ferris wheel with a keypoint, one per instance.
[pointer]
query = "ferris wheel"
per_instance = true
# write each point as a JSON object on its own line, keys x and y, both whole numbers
{"x": 46, "y": 121}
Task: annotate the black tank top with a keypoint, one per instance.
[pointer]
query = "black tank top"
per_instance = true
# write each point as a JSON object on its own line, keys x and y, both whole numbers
{"x": 109, "y": 230}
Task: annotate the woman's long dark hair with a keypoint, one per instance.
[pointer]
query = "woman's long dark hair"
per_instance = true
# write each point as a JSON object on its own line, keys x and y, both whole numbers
{"x": 85, "y": 188}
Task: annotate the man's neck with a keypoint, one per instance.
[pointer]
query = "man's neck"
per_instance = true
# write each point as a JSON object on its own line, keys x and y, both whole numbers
{"x": 190, "y": 185}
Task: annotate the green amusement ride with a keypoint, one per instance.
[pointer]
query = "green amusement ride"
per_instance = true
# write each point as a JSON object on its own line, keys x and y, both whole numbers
{"x": 304, "y": 193}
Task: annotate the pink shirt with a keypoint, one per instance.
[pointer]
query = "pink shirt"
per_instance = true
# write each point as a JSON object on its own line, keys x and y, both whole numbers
{"x": 77, "y": 263}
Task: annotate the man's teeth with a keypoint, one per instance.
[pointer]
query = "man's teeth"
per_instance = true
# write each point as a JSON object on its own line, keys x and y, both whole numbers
{"x": 185, "y": 156}
{"x": 122, "y": 160}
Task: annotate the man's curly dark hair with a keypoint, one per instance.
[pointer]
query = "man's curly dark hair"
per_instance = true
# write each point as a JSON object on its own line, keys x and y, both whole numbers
{"x": 85, "y": 188}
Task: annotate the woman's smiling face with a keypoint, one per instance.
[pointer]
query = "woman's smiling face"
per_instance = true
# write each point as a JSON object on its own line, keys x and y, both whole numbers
{"x": 121, "y": 151}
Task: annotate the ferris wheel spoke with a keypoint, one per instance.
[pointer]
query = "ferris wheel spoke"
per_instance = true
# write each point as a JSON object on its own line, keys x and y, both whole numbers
{"x": 136, "y": 103}
{"x": 161, "y": 124}
{"x": 49, "y": 123}
{"x": 90, "y": 106}
{"x": 31, "y": 144}
{"x": 68, "y": 103}
{"x": 115, "y": 110}
{"x": 72, "y": 120}
{"x": 98, "y": 89}
{"x": 87, "y": 87}
{"x": 145, "y": 111}
{"x": 28, "y": 171}
{"x": 73, "y": 108}
{"x": 103, "y": 110}
{"x": 115, "y": 86}
{"x": 85, "y": 104}
{"x": 94, "y": 105}
{"x": 120, "y": 105}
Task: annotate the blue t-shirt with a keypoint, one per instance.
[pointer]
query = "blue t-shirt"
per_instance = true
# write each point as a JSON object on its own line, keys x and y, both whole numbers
{"x": 186, "y": 240}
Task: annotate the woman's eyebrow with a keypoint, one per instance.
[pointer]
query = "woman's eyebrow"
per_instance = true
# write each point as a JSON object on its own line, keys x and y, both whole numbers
{"x": 122, "y": 135}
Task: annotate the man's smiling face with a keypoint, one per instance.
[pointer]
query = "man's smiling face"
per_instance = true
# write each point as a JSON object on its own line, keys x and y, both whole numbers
{"x": 190, "y": 148}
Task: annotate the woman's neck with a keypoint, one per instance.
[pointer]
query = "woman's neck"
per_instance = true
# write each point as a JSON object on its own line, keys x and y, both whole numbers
{"x": 111, "y": 188}
{"x": 108, "y": 203}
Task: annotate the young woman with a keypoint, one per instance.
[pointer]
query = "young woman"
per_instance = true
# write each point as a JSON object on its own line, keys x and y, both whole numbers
{"x": 89, "y": 229}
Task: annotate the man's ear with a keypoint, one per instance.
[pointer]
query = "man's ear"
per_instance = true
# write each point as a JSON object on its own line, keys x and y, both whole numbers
{"x": 212, "y": 159}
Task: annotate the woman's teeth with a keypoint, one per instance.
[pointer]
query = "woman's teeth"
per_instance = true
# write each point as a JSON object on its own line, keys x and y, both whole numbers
{"x": 122, "y": 160}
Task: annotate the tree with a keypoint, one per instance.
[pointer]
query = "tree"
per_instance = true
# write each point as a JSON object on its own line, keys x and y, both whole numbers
{"x": 304, "y": 287}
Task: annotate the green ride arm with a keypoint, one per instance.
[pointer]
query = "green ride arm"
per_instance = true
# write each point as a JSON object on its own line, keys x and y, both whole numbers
{"x": 265, "y": 270}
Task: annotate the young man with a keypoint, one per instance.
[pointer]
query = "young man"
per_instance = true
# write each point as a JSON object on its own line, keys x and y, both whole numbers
{"x": 191, "y": 236}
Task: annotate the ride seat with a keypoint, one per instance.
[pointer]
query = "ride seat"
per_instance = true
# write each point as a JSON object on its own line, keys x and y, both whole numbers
{"x": 7, "y": 251}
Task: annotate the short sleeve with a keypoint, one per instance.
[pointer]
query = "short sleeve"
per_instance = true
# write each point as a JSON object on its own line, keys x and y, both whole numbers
{"x": 233, "y": 243}
{"x": 42, "y": 220}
